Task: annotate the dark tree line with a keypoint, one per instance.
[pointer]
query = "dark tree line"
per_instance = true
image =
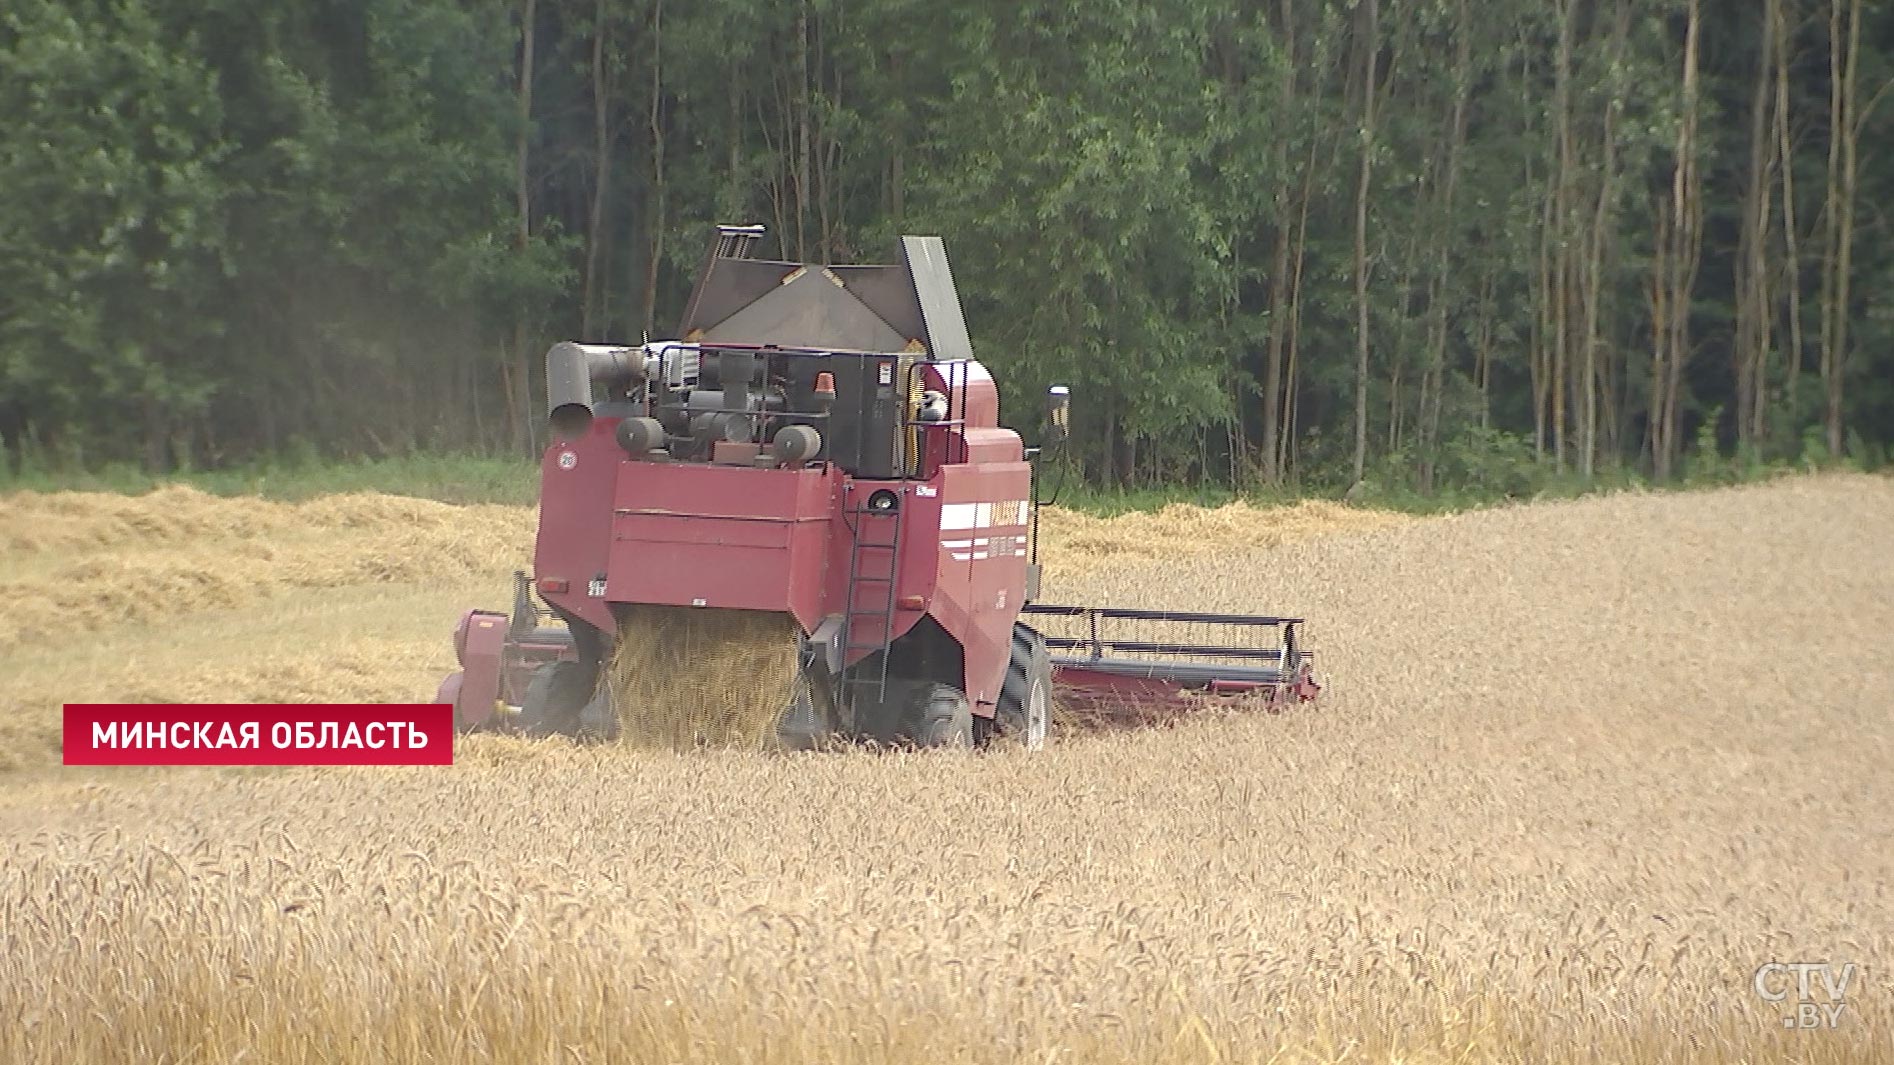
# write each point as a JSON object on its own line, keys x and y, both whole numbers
{"x": 1265, "y": 240}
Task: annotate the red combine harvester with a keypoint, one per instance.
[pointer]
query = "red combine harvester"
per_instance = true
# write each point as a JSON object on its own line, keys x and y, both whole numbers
{"x": 822, "y": 443}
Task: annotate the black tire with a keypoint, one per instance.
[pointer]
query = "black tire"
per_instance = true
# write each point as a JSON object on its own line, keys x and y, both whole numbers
{"x": 556, "y": 698}
{"x": 1022, "y": 715}
{"x": 939, "y": 716}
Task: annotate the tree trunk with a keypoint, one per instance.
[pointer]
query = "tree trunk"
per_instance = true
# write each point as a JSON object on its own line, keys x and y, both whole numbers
{"x": 1684, "y": 230}
{"x": 1286, "y": 446}
{"x": 1604, "y": 220}
{"x": 1274, "y": 350}
{"x": 1124, "y": 455}
{"x": 1279, "y": 275}
{"x": 654, "y": 262}
{"x": 1791, "y": 237}
{"x": 1538, "y": 351}
{"x": 802, "y": 129}
{"x": 157, "y": 425}
{"x": 1566, "y": 164}
{"x": 1755, "y": 309}
{"x": 1434, "y": 383}
{"x": 828, "y": 155}
{"x": 1838, "y": 265}
{"x": 524, "y": 426}
{"x": 1371, "y": 47}
{"x": 589, "y": 314}
{"x": 1483, "y": 348}
{"x": 13, "y": 436}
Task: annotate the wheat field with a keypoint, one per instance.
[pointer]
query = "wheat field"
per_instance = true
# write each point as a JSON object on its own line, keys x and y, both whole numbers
{"x": 1580, "y": 768}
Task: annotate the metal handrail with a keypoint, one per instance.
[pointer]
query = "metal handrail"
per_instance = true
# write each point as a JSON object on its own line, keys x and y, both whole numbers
{"x": 955, "y": 379}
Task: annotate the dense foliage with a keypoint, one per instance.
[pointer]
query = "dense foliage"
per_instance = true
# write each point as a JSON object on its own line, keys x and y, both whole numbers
{"x": 1267, "y": 241}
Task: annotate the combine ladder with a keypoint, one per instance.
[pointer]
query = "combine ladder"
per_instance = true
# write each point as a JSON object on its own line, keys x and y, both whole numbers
{"x": 872, "y": 570}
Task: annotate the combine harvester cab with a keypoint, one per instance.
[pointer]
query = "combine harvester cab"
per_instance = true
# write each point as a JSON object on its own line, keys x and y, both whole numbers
{"x": 822, "y": 453}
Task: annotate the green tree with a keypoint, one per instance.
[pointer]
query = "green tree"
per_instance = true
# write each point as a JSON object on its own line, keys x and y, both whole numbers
{"x": 113, "y": 247}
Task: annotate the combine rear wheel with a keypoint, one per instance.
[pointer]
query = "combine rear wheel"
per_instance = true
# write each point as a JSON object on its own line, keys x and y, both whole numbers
{"x": 1023, "y": 713}
{"x": 939, "y": 717}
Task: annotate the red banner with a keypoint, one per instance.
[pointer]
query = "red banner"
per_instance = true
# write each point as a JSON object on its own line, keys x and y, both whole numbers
{"x": 259, "y": 734}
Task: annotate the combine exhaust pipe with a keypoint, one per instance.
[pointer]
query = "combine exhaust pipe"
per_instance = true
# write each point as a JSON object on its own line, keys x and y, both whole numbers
{"x": 571, "y": 371}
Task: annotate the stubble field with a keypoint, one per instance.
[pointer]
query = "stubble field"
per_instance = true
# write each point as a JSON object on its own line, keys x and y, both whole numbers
{"x": 1580, "y": 769}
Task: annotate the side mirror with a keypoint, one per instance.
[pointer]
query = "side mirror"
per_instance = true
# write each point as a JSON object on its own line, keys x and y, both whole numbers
{"x": 1058, "y": 415}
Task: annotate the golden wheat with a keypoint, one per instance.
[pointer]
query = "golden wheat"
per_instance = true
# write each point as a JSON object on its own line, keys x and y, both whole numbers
{"x": 1579, "y": 770}
{"x": 74, "y": 562}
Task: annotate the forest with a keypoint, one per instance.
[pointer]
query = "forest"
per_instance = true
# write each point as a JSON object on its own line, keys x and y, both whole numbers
{"x": 1266, "y": 242}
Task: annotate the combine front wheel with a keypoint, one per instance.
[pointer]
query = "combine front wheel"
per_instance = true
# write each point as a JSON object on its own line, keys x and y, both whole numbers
{"x": 940, "y": 717}
{"x": 555, "y": 699}
{"x": 1023, "y": 714}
